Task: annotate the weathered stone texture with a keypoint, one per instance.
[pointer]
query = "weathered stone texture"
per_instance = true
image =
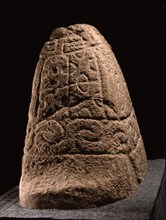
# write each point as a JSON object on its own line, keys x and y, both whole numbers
{"x": 83, "y": 145}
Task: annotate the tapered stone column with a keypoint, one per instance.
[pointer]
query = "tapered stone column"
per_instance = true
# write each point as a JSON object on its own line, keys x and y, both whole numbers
{"x": 83, "y": 146}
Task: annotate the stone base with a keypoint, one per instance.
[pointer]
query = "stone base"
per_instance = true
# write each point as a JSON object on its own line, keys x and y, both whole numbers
{"x": 148, "y": 202}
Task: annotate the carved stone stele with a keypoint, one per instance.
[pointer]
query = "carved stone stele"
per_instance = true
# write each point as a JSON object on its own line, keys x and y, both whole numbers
{"x": 83, "y": 146}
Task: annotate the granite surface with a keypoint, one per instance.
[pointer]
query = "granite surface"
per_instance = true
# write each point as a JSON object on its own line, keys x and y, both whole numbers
{"x": 83, "y": 146}
{"x": 148, "y": 202}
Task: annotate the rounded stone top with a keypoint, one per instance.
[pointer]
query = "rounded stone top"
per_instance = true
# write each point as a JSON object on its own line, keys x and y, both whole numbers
{"x": 59, "y": 33}
{"x": 87, "y": 32}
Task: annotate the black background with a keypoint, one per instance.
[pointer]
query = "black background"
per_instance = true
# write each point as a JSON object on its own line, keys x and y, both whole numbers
{"x": 135, "y": 30}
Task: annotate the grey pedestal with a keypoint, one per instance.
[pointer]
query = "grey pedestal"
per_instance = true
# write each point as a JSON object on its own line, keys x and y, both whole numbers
{"x": 148, "y": 202}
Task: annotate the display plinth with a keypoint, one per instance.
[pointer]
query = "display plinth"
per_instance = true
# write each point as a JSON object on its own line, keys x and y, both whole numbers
{"x": 148, "y": 202}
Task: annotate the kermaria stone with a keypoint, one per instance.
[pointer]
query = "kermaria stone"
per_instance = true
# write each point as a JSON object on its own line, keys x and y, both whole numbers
{"x": 83, "y": 146}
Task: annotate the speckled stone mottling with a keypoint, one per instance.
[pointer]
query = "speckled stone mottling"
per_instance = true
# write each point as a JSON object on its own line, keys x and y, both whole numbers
{"x": 83, "y": 146}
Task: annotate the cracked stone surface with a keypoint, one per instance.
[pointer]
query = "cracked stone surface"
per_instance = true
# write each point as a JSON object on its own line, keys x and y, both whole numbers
{"x": 83, "y": 147}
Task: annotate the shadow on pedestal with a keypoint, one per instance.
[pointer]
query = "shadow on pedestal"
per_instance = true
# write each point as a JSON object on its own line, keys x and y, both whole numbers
{"x": 148, "y": 202}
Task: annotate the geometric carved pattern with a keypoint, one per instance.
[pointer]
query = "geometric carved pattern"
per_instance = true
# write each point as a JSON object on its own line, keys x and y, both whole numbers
{"x": 80, "y": 113}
